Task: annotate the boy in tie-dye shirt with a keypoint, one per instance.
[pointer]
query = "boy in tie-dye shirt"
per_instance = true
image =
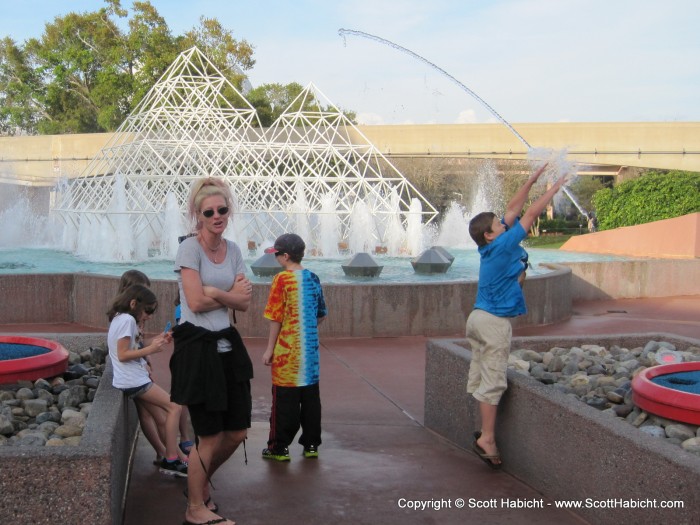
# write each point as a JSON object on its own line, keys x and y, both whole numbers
{"x": 295, "y": 308}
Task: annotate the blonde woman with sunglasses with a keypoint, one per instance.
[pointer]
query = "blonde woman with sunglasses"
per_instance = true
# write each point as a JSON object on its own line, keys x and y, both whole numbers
{"x": 210, "y": 366}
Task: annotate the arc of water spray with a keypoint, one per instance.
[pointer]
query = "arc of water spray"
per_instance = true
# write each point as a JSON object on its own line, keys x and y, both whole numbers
{"x": 352, "y": 32}
{"x": 345, "y": 32}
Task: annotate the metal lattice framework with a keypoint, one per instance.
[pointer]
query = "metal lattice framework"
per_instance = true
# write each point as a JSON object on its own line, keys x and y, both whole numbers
{"x": 310, "y": 166}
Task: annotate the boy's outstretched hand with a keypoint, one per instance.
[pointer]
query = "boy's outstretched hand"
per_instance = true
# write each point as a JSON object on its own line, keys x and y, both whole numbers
{"x": 561, "y": 181}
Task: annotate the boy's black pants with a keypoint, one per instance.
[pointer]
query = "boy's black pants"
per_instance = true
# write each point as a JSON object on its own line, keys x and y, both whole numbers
{"x": 294, "y": 407}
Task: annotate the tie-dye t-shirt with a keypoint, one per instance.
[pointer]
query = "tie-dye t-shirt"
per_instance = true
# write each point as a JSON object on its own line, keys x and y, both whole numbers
{"x": 296, "y": 301}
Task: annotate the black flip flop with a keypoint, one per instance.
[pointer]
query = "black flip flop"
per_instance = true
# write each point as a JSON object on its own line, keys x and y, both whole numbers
{"x": 210, "y": 522}
{"x": 486, "y": 458}
{"x": 215, "y": 508}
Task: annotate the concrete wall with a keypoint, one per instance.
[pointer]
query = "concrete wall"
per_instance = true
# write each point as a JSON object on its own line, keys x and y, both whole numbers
{"x": 634, "y": 279}
{"x": 668, "y": 145}
{"x": 385, "y": 310}
{"x": 41, "y": 160}
{"x": 46, "y": 298}
{"x": 82, "y": 484}
{"x": 562, "y": 447}
{"x": 354, "y": 310}
{"x": 676, "y": 238}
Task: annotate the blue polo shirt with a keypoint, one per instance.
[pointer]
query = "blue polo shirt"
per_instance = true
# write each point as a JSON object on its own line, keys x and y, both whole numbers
{"x": 502, "y": 261}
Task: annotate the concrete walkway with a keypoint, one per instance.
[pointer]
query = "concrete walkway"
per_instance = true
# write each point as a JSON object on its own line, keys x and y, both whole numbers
{"x": 377, "y": 459}
{"x": 677, "y": 315}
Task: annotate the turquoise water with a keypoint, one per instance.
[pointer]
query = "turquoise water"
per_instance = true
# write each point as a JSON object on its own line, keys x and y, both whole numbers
{"x": 396, "y": 269}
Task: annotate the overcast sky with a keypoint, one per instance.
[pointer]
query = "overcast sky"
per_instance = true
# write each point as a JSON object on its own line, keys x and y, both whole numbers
{"x": 530, "y": 60}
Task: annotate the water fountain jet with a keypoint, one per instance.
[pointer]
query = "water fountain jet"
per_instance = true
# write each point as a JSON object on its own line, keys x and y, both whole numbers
{"x": 351, "y": 32}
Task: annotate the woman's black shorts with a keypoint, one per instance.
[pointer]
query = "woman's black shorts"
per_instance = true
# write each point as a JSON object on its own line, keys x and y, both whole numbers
{"x": 237, "y": 416}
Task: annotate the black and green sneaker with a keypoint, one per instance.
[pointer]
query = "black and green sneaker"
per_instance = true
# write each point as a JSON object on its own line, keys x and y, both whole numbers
{"x": 173, "y": 468}
{"x": 311, "y": 451}
{"x": 281, "y": 454}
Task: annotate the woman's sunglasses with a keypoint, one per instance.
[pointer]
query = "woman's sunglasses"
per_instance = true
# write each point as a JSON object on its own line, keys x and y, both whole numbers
{"x": 149, "y": 311}
{"x": 210, "y": 213}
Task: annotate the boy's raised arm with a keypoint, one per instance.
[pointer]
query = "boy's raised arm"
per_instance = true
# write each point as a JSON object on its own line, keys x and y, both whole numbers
{"x": 539, "y": 205}
{"x": 515, "y": 206}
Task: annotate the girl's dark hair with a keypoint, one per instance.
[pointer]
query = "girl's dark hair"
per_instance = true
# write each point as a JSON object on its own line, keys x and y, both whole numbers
{"x": 131, "y": 277}
{"x": 121, "y": 304}
{"x": 480, "y": 225}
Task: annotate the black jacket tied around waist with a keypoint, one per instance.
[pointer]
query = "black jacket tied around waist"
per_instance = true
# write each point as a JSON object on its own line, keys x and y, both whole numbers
{"x": 195, "y": 366}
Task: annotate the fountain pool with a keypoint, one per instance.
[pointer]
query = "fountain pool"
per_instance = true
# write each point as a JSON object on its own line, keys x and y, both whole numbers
{"x": 670, "y": 391}
{"x": 396, "y": 269}
{"x": 30, "y": 358}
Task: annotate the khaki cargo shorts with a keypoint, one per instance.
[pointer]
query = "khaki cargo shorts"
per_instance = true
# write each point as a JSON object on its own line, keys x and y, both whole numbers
{"x": 489, "y": 337}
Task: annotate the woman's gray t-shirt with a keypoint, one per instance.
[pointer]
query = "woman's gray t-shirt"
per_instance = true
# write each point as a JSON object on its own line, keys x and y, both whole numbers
{"x": 191, "y": 255}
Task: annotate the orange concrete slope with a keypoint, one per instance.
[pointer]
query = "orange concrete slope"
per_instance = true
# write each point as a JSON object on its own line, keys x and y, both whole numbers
{"x": 677, "y": 238}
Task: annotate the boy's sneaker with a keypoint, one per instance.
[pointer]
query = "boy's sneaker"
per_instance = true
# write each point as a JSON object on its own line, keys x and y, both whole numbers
{"x": 185, "y": 447}
{"x": 173, "y": 468}
{"x": 311, "y": 451}
{"x": 278, "y": 455}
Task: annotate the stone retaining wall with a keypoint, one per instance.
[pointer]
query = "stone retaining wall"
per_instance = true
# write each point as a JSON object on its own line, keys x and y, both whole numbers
{"x": 363, "y": 310}
{"x": 82, "y": 484}
{"x": 561, "y": 447}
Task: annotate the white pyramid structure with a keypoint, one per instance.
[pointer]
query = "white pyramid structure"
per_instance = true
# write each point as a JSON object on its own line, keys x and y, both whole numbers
{"x": 311, "y": 172}
{"x": 321, "y": 170}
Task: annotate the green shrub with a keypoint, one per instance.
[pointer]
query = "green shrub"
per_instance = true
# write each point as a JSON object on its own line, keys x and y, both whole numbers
{"x": 651, "y": 197}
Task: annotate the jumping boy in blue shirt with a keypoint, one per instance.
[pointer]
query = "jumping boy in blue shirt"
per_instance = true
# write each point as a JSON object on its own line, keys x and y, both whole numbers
{"x": 499, "y": 297}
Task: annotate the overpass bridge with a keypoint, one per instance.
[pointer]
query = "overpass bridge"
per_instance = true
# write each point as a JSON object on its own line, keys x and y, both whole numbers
{"x": 601, "y": 148}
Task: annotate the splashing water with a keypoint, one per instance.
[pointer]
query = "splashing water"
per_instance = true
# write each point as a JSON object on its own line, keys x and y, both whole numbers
{"x": 330, "y": 226}
{"x": 300, "y": 217}
{"x": 414, "y": 231}
{"x": 488, "y": 190}
{"x": 558, "y": 165}
{"x": 454, "y": 230}
{"x": 351, "y": 32}
{"x": 21, "y": 224}
{"x": 173, "y": 226}
{"x": 395, "y": 233}
{"x": 362, "y": 229}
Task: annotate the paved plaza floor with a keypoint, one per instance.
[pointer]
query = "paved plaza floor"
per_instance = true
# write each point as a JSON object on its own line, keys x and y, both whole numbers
{"x": 378, "y": 462}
